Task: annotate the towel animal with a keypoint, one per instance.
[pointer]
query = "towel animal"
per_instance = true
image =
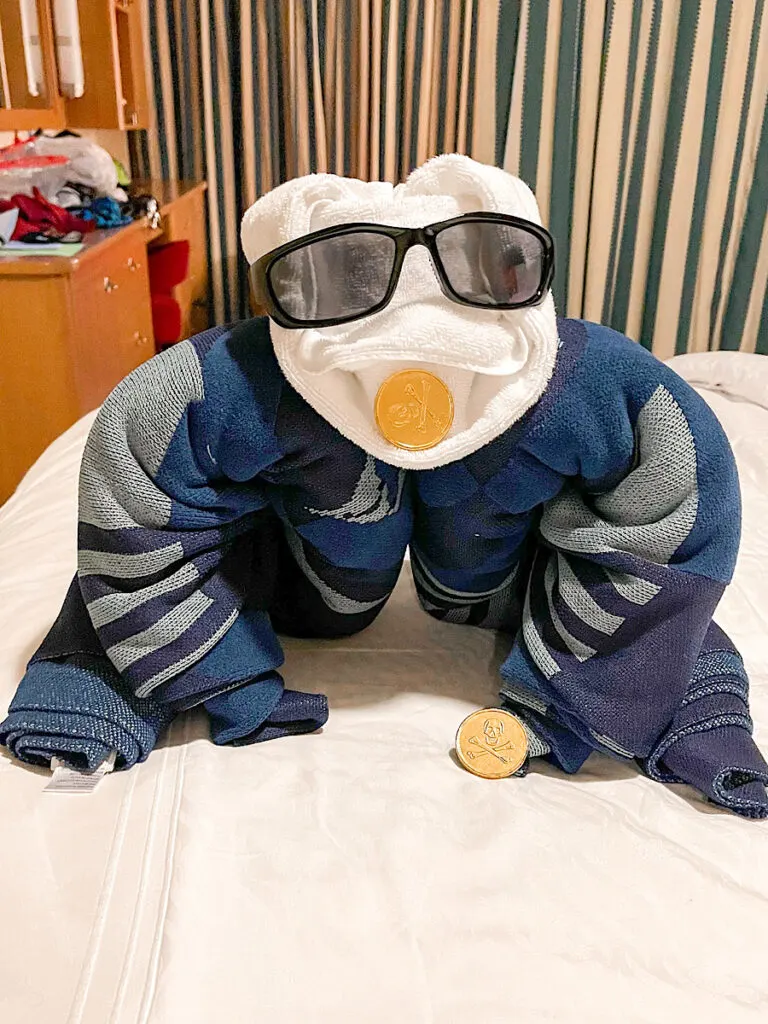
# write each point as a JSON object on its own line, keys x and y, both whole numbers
{"x": 570, "y": 491}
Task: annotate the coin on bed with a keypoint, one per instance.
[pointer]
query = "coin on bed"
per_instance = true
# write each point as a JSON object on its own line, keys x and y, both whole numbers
{"x": 414, "y": 409}
{"x": 491, "y": 743}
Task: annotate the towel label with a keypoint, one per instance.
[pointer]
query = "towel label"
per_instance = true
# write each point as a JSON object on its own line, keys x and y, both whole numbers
{"x": 69, "y": 780}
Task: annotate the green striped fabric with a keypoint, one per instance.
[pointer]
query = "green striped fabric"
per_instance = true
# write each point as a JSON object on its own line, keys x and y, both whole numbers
{"x": 642, "y": 126}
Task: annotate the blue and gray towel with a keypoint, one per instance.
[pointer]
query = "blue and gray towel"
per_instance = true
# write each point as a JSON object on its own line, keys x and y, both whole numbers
{"x": 74, "y": 705}
{"x": 217, "y": 509}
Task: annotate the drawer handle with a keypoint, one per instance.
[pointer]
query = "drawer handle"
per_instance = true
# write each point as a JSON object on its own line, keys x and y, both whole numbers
{"x": 109, "y": 285}
{"x": 140, "y": 340}
{"x": 133, "y": 264}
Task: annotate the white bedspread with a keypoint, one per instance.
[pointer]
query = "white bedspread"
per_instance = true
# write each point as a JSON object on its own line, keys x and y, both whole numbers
{"x": 360, "y": 874}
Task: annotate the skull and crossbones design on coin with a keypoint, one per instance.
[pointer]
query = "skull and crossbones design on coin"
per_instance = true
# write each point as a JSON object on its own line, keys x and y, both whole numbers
{"x": 491, "y": 743}
{"x": 493, "y": 730}
{"x": 414, "y": 409}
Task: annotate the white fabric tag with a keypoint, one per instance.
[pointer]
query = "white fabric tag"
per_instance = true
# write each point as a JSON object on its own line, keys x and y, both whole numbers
{"x": 69, "y": 780}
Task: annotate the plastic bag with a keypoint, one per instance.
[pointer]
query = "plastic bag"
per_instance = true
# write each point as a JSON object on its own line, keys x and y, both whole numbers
{"x": 89, "y": 163}
{"x": 23, "y": 168}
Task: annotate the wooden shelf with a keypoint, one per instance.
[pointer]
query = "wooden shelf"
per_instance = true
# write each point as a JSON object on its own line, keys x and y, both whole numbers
{"x": 114, "y": 67}
{"x": 115, "y": 94}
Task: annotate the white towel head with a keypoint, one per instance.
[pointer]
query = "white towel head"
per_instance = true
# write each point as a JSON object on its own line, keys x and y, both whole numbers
{"x": 495, "y": 362}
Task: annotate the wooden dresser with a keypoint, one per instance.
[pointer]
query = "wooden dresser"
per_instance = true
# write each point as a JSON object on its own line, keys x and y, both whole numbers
{"x": 71, "y": 329}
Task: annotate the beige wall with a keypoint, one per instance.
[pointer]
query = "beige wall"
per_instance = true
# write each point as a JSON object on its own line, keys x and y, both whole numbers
{"x": 114, "y": 142}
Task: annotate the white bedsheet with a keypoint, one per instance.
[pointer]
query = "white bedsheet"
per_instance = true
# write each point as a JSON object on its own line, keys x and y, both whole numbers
{"x": 360, "y": 874}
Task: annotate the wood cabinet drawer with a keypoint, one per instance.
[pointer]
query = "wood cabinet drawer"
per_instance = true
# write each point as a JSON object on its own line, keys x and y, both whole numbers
{"x": 37, "y": 397}
{"x": 112, "y": 321}
{"x": 72, "y": 329}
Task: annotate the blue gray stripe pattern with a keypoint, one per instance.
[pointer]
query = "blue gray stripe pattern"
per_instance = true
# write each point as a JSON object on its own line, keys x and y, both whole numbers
{"x": 597, "y": 534}
{"x": 194, "y": 475}
{"x": 606, "y": 536}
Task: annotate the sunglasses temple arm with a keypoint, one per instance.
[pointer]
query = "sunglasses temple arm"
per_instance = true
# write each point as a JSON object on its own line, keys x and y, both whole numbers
{"x": 258, "y": 286}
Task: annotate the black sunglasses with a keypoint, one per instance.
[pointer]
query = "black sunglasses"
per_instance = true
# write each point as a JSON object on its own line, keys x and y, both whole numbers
{"x": 344, "y": 273}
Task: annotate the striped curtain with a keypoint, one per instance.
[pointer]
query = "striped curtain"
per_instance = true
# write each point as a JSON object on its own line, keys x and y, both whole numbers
{"x": 642, "y": 126}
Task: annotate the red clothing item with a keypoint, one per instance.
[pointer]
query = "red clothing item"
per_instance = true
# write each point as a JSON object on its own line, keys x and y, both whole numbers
{"x": 37, "y": 214}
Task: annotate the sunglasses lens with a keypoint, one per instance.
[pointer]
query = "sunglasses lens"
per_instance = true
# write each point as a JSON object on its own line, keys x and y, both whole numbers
{"x": 492, "y": 263}
{"x": 334, "y": 277}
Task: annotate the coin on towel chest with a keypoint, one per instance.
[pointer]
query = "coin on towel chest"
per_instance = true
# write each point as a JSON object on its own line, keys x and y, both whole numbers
{"x": 491, "y": 743}
{"x": 414, "y": 409}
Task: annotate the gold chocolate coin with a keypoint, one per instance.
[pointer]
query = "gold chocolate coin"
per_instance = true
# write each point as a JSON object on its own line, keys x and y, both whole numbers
{"x": 491, "y": 743}
{"x": 414, "y": 409}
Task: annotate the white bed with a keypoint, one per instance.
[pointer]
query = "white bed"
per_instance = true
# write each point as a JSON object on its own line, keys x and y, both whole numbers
{"x": 360, "y": 874}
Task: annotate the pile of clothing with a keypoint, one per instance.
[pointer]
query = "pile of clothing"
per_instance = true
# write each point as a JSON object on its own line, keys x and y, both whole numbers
{"x": 63, "y": 187}
{"x": 41, "y": 221}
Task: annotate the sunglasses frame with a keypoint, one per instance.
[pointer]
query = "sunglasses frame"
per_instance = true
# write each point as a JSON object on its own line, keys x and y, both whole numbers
{"x": 404, "y": 239}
